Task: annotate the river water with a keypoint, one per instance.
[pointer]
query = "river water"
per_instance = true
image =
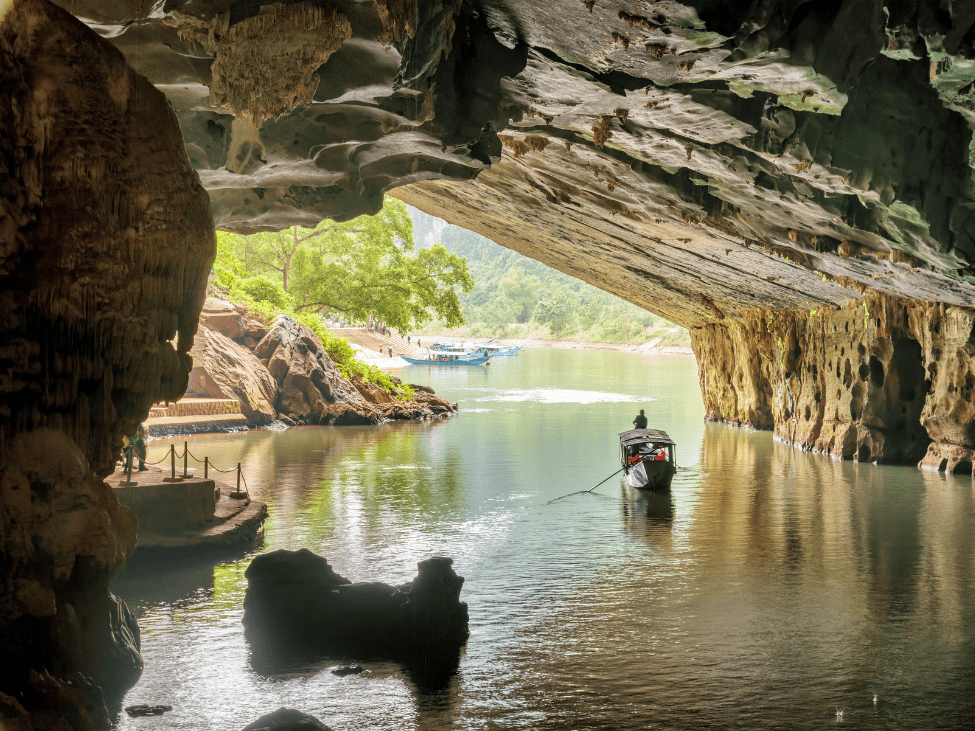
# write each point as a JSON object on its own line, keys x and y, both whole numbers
{"x": 769, "y": 589}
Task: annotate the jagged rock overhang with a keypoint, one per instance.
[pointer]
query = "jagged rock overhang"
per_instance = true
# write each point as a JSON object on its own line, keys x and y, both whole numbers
{"x": 834, "y": 139}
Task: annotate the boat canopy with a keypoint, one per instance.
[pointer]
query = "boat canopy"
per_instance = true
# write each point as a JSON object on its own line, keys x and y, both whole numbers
{"x": 637, "y": 436}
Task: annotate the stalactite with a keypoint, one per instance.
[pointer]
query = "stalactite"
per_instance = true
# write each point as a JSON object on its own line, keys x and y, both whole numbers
{"x": 105, "y": 264}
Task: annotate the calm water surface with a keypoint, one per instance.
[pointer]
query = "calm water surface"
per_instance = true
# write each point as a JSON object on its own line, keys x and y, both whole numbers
{"x": 770, "y": 589}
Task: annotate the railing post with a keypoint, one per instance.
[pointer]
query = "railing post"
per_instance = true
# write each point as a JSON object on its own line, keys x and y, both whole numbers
{"x": 186, "y": 451}
{"x": 238, "y": 477}
{"x": 172, "y": 466}
{"x": 128, "y": 463}
{"x": 206, "y": 468}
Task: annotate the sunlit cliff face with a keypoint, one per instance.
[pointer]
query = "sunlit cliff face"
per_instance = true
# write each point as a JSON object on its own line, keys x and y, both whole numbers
{"x": 790, "y": 180}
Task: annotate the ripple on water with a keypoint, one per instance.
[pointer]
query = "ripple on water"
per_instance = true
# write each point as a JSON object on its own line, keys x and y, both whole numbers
{"x": 769, "y": 589}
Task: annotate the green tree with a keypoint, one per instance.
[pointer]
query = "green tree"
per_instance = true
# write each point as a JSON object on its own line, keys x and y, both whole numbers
{"x": 522, "y": 291}
{"x": 556, "y": 311}
{"x": 369, "y": 266}
{"x": 277, "y": 251}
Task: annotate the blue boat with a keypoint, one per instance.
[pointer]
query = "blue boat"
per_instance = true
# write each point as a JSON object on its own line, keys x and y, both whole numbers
{"x": 497, "y": 349}
{"x": 448, "y": 348}
{"x": 448, "y": 359}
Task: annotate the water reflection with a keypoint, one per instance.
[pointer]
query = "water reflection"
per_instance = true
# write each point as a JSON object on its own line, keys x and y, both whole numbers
{"x": 769, "y": 588}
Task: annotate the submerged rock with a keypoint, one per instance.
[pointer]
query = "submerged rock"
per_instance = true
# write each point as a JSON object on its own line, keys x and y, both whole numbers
{"x": 353, "y": 669}
{"x": 297, "y": 607}
{"x": 286, "y": 719}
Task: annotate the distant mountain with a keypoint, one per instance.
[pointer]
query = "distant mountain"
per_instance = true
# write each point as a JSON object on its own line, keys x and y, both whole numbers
{"x": 511, "y": 288}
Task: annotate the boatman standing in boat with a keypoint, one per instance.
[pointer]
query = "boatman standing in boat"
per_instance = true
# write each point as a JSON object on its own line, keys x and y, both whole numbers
{"x": 640, "y": 422}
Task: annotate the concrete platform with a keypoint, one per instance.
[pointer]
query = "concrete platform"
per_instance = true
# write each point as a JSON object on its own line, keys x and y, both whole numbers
{"x": 191, "y": 514}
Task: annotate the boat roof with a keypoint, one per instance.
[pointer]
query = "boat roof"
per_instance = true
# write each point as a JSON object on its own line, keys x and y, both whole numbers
{"x": 634, "y": 436}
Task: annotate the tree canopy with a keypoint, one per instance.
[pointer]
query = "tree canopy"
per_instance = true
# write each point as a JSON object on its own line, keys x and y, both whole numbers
{"x": 365, "y": 267}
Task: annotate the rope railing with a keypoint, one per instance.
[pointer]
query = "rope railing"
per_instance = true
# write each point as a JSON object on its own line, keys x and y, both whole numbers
{"x": 172, "y": 455}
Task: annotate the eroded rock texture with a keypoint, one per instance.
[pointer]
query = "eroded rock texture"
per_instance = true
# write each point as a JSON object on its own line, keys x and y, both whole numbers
{"x": 710, "y": 161}
{"x": 105, "y": 244}
{"x": 308, "y": 388}
{"x": 885, "y": 379}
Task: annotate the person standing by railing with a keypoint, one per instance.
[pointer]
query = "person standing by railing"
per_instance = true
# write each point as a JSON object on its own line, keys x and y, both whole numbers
{"x": 136, "y": 444}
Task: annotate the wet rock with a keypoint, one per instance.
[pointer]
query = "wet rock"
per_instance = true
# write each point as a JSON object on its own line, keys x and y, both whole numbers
{"x": 147, "y": 710}
{"x": 112, "y": 643}
{"x": 296, "y": 606}
{"x": 287, "y": 719}
{"x": 353, "y": 669}
{"x": 224, "y": 369}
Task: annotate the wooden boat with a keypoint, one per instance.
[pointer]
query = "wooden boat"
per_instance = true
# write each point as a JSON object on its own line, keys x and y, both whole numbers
{"x": 448, "y": 359}
{"x": 497, "y": 349}
{"x": 648, "y": 459}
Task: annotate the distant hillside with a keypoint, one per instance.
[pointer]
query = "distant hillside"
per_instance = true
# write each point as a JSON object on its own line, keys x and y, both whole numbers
{"x": 519, "y": 297}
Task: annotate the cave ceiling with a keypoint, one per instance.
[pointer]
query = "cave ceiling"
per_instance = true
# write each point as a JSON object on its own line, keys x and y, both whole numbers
{"x": 699, "y": 158}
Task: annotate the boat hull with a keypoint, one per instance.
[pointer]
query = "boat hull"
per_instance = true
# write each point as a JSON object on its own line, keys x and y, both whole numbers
{"x": 650, "y": 475}
{"x": 447, "y": 361}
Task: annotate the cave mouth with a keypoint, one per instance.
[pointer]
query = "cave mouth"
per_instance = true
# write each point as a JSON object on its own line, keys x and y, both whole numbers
{"x": 907, "y": 387}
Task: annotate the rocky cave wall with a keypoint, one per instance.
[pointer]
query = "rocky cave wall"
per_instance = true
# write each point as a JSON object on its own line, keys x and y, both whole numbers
{"x": 883, "y": 379}
{"x": 105, "y": 244}
{"x": 713, "y": 162}
{"x": 791, "y": 180}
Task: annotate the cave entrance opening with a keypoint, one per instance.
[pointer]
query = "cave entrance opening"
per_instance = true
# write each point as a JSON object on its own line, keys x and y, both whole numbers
{"x": 906, "y": 388}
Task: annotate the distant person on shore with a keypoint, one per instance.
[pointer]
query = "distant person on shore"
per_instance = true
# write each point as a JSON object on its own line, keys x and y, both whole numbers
{"x": 640, "y": 422}
{"x": 390, "y": 352}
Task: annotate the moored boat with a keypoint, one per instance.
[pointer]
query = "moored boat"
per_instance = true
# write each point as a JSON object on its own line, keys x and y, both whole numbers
{"x": 448, "y": 359}
{"x": 448, "y": 348}
{"x": 648, "y": 459}
{"x": 497, "y": 349}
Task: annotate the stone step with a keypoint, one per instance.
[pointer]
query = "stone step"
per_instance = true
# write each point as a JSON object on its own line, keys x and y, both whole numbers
{"x": 189, "y": 406}
{"x": 229, "y": 419}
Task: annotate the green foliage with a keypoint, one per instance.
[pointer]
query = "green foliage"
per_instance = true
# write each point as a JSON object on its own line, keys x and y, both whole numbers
{"x": 511, "y": 286}
{"x": 522, "y": 292}
{"x": 556, "y": 311}
{"x": 263, "y": 289}
{"x": 267, "y": 300}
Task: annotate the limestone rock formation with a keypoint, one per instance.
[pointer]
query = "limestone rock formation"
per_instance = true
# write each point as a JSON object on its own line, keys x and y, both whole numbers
{"x": 714, "y": 162}
{"x": 105, "y": 244}
{"x": 224, "y": 369}
{"x": 309, "y": 385}
{"x": 296, "y": 606}
{"x": 222, "y": 317}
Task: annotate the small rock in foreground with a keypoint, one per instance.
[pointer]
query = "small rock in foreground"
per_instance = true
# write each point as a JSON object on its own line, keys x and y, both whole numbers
{"x": 353, "y": 669}
{"x": 287, "y": 719}
{"x": 145, "y": 710}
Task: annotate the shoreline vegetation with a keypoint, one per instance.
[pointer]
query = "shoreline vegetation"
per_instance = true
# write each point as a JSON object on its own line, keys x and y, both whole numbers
{"x": 372, "y": 270}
